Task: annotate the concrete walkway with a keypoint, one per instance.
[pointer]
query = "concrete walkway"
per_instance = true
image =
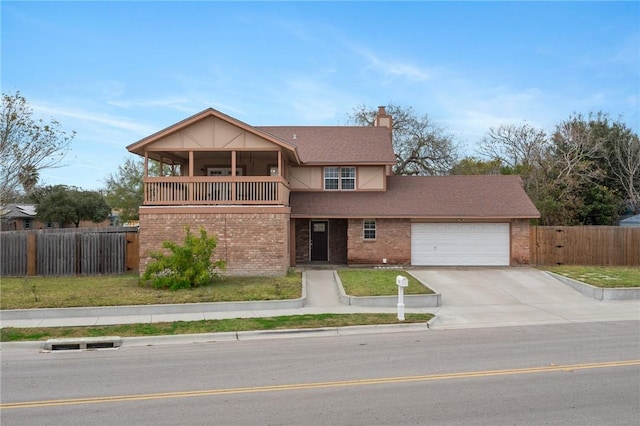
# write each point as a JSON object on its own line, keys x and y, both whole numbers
{"x": 322, "y": 289}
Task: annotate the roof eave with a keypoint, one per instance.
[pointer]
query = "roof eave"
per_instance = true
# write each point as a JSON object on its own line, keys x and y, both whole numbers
{"x": 448, "y": 218}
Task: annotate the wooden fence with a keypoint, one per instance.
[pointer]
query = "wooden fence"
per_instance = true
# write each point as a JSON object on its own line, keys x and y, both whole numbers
{"x": 585, "y": 245}
{"x": 69, "y": 251}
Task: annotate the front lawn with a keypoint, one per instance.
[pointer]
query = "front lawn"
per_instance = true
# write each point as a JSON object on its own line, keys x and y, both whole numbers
{"x": 116, "y": 290}
{"x": 600, "y": 276}
{"x": 378, "y": 282}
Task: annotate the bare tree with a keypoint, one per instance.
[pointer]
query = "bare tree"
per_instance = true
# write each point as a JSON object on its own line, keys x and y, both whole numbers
{"x": 514, "y": 145}
{"x": 421, "y": 147}
{"x": 27, "y": 146}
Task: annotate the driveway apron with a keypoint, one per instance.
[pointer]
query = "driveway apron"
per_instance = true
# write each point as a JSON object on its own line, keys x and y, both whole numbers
{"x": 476, "y": 297}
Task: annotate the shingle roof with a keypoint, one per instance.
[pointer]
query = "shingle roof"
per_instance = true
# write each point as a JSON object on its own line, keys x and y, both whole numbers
{"x": 427, "y": 197}
{"x": 14, "y": 211}
{"x": 337, "y": 144}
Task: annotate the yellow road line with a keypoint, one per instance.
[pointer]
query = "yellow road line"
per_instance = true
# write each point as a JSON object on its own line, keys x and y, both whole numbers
{"x": 318, "y": 385}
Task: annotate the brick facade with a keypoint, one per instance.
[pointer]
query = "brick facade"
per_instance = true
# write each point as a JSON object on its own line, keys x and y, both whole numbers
{"x": 337, "y": 240}
{"x": 520, "y": 251}
{"x": 251, "y": 243}
{"x": 393, "y": 242}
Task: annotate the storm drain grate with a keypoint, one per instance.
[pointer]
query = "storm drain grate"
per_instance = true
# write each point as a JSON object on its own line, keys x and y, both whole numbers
{"x": 87, "y": 343}
{"x": 65, "y": 347}
{"x": 101, "y": 345}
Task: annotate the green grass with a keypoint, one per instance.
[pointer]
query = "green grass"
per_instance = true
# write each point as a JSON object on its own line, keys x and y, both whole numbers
{"x": 600, "y": 276}
{"x": 208, "y": 326}
{"x": 66, "y": 292}
{"x": 378, "y": 282}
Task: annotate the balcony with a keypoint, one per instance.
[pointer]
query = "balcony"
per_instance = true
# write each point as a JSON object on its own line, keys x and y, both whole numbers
{"x": 218, "y": 190}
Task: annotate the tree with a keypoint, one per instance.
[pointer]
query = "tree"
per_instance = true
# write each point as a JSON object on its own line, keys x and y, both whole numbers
{"x": 514, "y": 145}
{"x": 475, "y": 166}
{"x": 27, "y": 146}
{"x": 420, "y": 146}
{"x": 619, "y": 158}
{"x": 125, "y": 190}
{"x": 65, "y": 204}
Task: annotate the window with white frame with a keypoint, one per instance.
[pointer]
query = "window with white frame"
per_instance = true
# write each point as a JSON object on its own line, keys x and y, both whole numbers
{"x": 340, "y": 178}
{"x": 347, "y": 178}
{"x": 331, "y": 178}
{"x": 27, "y": 223}
{"x": 369, "y": 229}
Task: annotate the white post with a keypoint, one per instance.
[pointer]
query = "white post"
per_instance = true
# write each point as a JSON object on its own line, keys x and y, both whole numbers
{"x": 401, "y": 282}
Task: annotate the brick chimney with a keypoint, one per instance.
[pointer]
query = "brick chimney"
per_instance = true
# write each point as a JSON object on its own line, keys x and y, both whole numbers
{"x": 384, "y": 119}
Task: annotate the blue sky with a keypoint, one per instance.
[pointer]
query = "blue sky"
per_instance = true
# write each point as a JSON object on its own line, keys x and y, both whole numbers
{"x": 118, "y": 71}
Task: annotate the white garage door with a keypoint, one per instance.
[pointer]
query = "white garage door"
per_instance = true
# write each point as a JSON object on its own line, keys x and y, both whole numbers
{"x": 460, "y": 244}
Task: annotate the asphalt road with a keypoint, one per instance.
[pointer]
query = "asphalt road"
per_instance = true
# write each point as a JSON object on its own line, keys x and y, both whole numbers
{"x": 569, "y": 374}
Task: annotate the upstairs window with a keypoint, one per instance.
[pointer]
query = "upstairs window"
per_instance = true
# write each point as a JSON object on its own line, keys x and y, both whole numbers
{"x": 369, "y": 228}
{"x": 331, "y": 180}
{"x": 340, "y": 178}
{"x": 348, "y": 178}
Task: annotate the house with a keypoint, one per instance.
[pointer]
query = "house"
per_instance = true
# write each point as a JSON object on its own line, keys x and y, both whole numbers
{"x": 631, "y": 221}
{"x": 281, "y": 196}
{"x": 22, "y": 217}
{"x": 19, "y": 217}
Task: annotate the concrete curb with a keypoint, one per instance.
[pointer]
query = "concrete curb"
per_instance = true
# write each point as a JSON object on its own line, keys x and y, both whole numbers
{"x": 410, "y": 300}
{"x": 598, "y": 293}
{"x": 85, "y": 343}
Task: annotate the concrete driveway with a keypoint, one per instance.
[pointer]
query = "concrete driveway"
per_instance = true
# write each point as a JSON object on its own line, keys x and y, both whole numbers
{"x": 480, "y": 297}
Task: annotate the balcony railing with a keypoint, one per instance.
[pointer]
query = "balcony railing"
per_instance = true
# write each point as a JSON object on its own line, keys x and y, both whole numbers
{"x": 201, "y": 190}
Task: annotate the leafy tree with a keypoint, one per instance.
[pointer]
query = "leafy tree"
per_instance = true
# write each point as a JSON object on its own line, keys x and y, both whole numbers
{"x": 124, "y": 191}
{"x": 27, "y": 146}
{"x": 65, "y": 204}
{"x": 475, "y": 166}
{"x": 421, "y": 147}
{"x": 187, "y": 266}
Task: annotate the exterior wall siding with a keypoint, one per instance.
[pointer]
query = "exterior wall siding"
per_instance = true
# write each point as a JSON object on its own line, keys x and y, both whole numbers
{"x": 251, "y": 243}
{"x": 393, "y": 242}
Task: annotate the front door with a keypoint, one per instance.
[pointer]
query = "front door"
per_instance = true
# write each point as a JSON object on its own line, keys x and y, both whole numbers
{"x": 319, "y": 241}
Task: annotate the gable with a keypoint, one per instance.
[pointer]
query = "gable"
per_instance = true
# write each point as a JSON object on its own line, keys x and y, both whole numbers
{"x": 211, "y": 133}
{"x": 210, "y": 130}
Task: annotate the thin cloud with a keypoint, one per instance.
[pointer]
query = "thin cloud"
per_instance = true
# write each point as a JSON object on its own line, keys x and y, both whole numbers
{"x": 105, "y": 119}
{"x": 175, "y": 103}
{"x": 394, "y": 69}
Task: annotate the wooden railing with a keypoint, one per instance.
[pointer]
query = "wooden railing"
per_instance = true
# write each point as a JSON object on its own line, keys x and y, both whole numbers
{"x": 179, "y": 190}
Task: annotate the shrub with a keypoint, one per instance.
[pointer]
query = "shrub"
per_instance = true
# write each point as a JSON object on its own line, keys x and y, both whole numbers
{"x": 187, "y": 266}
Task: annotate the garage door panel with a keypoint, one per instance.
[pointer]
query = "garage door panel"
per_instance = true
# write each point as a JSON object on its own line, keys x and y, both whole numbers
{"x": 460, "y": 244}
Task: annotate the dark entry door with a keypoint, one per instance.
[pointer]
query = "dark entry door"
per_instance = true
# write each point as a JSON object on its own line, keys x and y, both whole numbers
{"x": 319, "y": 241}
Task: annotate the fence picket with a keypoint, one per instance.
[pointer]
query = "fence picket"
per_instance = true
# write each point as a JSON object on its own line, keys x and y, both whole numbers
{"x": 84, "y": 251}
{"x": 585, "y": 245}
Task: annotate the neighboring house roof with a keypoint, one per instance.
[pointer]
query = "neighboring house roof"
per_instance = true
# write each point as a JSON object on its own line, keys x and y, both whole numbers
{"x": 436, "y": 197}
{"x": 337, "y": 144}
{"x": 17, "y": 211}
{"x": 631, "y": 221}
{"x": 138, "y": 147}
